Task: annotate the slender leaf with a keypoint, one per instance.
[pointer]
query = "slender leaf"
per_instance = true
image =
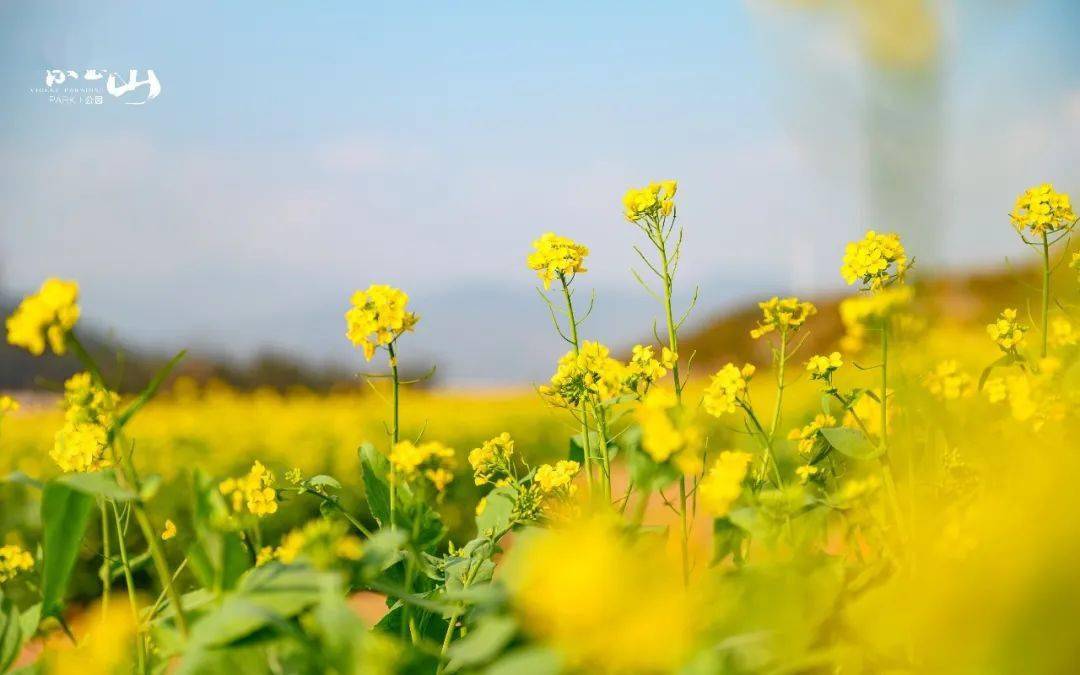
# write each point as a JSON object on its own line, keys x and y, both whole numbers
{"x": 97, "y": 484}
{"x": 64, "y": 515}
{"x": 852, "y": 443}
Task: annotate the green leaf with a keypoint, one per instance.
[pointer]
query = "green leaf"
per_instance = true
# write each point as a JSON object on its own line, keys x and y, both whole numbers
{"x": 11, "y": 636}
{"x": 727, "y": 540}
{"x": 64, "y": 515}
{"x": 527, "y": 661}
{"x": 851, "y": 442}
{"x": 97, "y": 484}
{"x": 498, "y": 511}
{"x": 324, "y": 481}
{"x": 376, "y": 471}
{"x": 20, "y": 478}
{"x": 147, "y": 394}
{"x": 577, "y": 450}
{"x": 265, "y": 595}
{"x": 482, "y": 643}
{"x": 1005, "y": 360}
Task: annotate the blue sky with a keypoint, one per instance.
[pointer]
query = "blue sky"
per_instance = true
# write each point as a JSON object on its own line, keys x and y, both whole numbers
{"x": 297, "y": 153}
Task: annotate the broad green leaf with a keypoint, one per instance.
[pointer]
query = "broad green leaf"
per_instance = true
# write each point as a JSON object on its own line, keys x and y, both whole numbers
{"x": 851, "y": 442}
{"x": 375, "y": 469}
{"x": 483, "y": 643}
{"x": 97, "y": 484}
{"x": 64, "y": 515}
{"x": 498, "y": 511}
{"x": 265, "y": 595}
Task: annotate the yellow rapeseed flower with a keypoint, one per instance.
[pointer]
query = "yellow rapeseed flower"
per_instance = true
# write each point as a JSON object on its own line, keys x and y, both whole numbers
{"x": 491, "y": 461}
{"x": 80, "y": 446}
{"x": 822, "y": 367}
{"x": 808, "y": 435}
{"x": 378, "y": 316}
{"x": 254, "y": 491}
{"x": 644, "y": 368}
{"x": 170, "y": 530}
{"x": 656, "y": 200}
{"x": 559, "y": 476}
{"x": 14, "y": 560}
{"x": 604, "y": 602}
{"x": 8, "y": 404}
{"x": 1040, "y": 211}
{"x": 727, "y": 389}
{"x": 1007, "y": 332}
{"x": 590, "y": 374}
{"x": 556, "y": 257}
{"x": 876, "y": 261}
{"x": 948, "y": 383}
{"x": 805, "y": 471}
{"x": 723, "y": 484}
{"x": 669, "y": 431}
{"x": 783, "y": 315}
{"x": 45, "y": 317}
{"x": 432, "y": 460}
{"x": 320, "y": 542}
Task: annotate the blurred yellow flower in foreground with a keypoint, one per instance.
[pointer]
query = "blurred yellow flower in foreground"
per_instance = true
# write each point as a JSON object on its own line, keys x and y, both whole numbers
{"x": 103, "y": 644}
{"x": 45, "y": 316}
{"x": 723, "y": 485}
{"x": 606, "y": 603}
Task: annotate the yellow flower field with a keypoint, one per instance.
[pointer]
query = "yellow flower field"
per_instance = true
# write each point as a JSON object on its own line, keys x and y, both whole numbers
{"x": 903, "y": 501}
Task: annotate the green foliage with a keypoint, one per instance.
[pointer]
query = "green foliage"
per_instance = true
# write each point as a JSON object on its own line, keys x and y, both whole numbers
{"x": 65, "y": 513}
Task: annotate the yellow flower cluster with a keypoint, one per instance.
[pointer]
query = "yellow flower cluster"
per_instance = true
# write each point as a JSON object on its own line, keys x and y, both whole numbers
{"x": 253, "y": 491}
{"x": 320, "y": 542}
{"x": 723, "y": 484}
{"x": 805, "y": 471}
{"x": 652, "y": 201}
{"x": 491, "y": 461}
{"x": 1031, "y": 399}
{"x": 557, "y": 478}
{"x": 1062, "y": 334}
{"x": 644, "y": 368}
{"x": 1041, "y": 211}
{"x": 808, "y": 435}
{"x": 14, "y": 560}
{"x": 556, "y": 257}
{"x": 45, "y": 317}
{"x": 432, "y": 460}
{"x": 1007, "y": 332}
{"x": 588, "y": 375}
{"x": 727, "y": 388}
{"x": 821, "y": 367}
{"x": 668, "y": 432}
{"x": 875, "y": 261}
{"x": 948, "y": 383}
{"x": 8, "y": 404}
{"x": 566, "y": 582}
{"x": 89, "y": 411}
{"x": 783, "y": 315}
{"x": 378, "y": 316}
{"x": 860, "y": 312}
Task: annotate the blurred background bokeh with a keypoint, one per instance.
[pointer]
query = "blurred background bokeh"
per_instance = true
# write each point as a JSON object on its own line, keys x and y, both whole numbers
{"x": 295, "y": 155}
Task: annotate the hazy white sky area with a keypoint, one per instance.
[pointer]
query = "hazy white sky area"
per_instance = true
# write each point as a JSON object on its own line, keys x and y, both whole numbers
{"x": 295, "y": 155}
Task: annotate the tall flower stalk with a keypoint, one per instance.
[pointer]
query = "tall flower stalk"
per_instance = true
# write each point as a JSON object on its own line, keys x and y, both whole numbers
{"x": 652, "y": 210}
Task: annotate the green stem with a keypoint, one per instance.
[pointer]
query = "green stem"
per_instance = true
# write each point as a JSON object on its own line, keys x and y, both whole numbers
{"x": 1045, "y": 293}
{"x": 458, "y": 612}
{"x": 673, "y": 345}
{"x": 394, "y": 434}
{"x": 130, "y": 583}
{"x": 84, "y": 356}
{"x": 605, "y": 457}
{"x": 106, "y": 569}
{"x": 586, "y": 442}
